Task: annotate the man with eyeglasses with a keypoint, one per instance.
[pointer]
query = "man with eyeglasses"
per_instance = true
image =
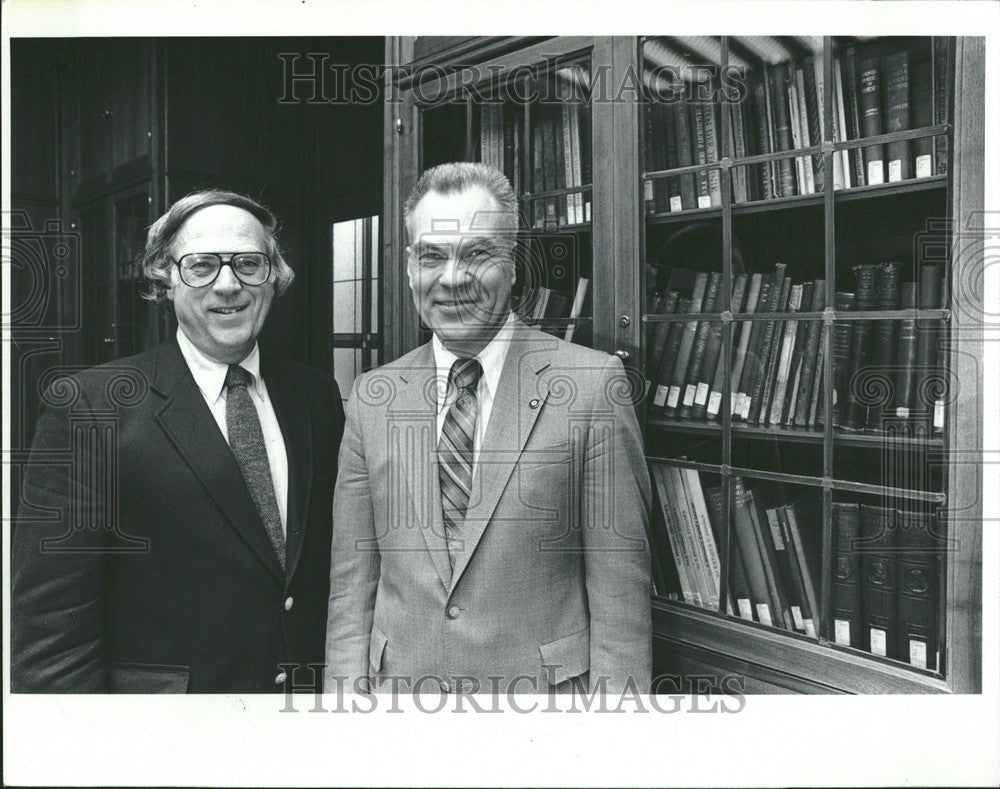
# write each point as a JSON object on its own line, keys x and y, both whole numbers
{"x": 186, "y": 546}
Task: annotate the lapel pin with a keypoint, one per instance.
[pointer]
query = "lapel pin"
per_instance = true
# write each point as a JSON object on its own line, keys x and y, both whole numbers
{"x": 534, "y": 403}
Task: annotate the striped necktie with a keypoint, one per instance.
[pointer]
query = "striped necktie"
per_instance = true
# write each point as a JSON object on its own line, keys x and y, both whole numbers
{"x": 246, "y": 439}
{"x": 455, "y": 450}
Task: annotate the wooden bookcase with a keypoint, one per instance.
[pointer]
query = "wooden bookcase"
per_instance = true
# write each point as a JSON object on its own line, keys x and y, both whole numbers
{"x": 431, "y": 116}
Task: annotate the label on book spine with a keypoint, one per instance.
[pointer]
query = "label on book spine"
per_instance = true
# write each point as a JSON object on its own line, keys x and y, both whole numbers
{"x": 764, "y": 614}
{"x": 746, "y": 610}
{"x": 924, "y": 165}
{"x": 745, "y": 407}
{"x": 875, "y": 172}
{"x": 701, "y": 394}
{"x": 877, "y": 641}
{"x": 714, "y": 403}
{"x": 810, "y": 628}
{"x": 689, "y": 395}
{"x": 797, "y": 618}
{"x": 647, "y": 191}
{"x": 675, "y": 203}
{"x": 895, "y": 170}
{"x": 673, "y": 396}
{"x": 918, "y": 653}
{"x": 704, "y": 201}
{"x": 842, "y": 632}
{"x": 938, "y": 415}
{"x": 903, "y": 412}
{"x": 661, "y": 396}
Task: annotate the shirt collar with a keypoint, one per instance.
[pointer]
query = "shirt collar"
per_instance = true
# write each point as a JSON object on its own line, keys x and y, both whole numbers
{"x": 210, "y": 374}
{"x": 491, "y": 358}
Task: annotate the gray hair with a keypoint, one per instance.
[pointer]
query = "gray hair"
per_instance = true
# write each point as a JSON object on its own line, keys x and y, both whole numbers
{"x": 156, "y": 261}
{"x": 458, "y": 177}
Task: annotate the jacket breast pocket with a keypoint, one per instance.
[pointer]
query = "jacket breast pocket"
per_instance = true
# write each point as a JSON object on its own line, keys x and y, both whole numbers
{"x": 566, "y": 657}
{"x": 148, "y": 678}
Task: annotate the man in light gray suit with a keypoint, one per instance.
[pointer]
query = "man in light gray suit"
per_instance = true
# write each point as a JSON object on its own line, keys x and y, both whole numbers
{"x": 492, "y": 498}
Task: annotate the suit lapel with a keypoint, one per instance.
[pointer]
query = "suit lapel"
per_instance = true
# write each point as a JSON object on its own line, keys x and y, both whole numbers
{"x": 519, "y": 399}
{"x": 412, "y": 441}
{"x": 295, "y": 421}
{"x": 187, "y": 421}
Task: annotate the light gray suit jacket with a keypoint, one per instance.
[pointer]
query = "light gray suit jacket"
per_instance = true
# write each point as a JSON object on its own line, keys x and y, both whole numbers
{"x": 552, "y": 583}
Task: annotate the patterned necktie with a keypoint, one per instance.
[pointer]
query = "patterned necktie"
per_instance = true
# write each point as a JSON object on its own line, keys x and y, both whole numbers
{"x": 246, "y": 439}
{"x": 455, "y": 450}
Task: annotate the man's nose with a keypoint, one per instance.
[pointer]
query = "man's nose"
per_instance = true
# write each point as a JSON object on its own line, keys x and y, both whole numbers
{"x": 456, "y": 273}
{"x": 227, "y": 281}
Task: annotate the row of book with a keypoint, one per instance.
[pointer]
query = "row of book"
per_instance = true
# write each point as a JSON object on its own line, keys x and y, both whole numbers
{"x": 885, "y": 572}
{"x": 777, "y": 366}
{"x": 784, "y": 111}
{"x": 560, "y": 150}
{"x": 551, "y": 306}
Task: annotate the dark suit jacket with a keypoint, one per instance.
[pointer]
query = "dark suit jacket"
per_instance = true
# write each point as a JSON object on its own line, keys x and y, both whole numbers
{"x": 139, "y": 562}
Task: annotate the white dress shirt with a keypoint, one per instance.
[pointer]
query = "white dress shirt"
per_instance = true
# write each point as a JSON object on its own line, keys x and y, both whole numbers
{"x": 491, "y": 358}
{"x": 210, "y": 375}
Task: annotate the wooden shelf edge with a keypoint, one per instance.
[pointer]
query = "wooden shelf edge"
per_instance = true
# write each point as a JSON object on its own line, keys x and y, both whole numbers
{"x": 815, "y": 663}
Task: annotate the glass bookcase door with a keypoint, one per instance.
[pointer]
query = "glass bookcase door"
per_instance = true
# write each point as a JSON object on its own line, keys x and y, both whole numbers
{"x": 820, "y": 279}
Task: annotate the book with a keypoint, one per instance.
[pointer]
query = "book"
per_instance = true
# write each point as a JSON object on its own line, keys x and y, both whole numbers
{"x": 685, "y": 157}
{"x": 786, "y": 569}
{"x": 854, "y": 115}
{"x": 746, "y": 541}
{"x": 799, "y": 120}
{"x": 738, "y": 147}
{"x": 762, "y": 141}
{"x": 845, "y": 603}
{"x": 700, "y": 154}
{"x": 693, "y": 375}
{"x": 842, "y": 333}
{"x": 855, "y": 413}
{"x": 785, "y": 361}
{"x": 746, "y": 327}
{"x": 668, "y": 125}
{"x": 686, "y": 344}
{"x": 883, "y": 340}
{"x": 802, "y": 549}
{"x": 658, "y": 339}
{"x": 775, "y": 587}
{"x": 537, "y": 174}
{"x": 878, "y": 586}
{"x": 942, "y": 55}
{"x": 906, "y": 355}
{"x": 671, "y": 520}
{"x": 812, "y": 81}
{"x": 871, "y": 120}
{"x": 703, "y": 530}
{"x": 925, "y": 366}
{"x": 917, "y": 603}
{"x": 663, "y": 373}
{"x": 841, "y": 159}
{"x": 714, "y": 406}
{"x": 779, "y": 291}
{"x": 713, "y": 140}
{"x": 815, "y": 412}
{"x": 778, "y": 113}
{"x": 696, "y": 550}
{"x": 764, "y": 386}
{"x": 896, "y": 79}
{"x": 810, "y": 355}
{"x": 750, "y": 365}
{"x": 577, "y": 309}
{"x": 922, "y": 112}
{"x": 738, "y": 587}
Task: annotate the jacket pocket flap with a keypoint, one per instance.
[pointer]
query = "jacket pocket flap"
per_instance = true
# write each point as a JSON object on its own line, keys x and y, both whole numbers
{"x": 566, "y": 657}
{"x": 148, "y": 678}
{"x": 376, "y": 647}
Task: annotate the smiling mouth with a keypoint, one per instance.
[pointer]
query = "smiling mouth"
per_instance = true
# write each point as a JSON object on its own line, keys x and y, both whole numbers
{"x": 227, "y": 310}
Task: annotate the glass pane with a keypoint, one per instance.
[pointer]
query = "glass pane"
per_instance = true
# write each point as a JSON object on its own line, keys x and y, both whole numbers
{"x": 373, "y": 327}
{"x": 344, "y": 251}
{"x": 443, "y": 134}
{"x": 376, "y": 247}
{"x": 344, "y": 307}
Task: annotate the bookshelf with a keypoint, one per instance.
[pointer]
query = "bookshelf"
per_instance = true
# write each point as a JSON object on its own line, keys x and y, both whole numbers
{"x": 734, "y": 202}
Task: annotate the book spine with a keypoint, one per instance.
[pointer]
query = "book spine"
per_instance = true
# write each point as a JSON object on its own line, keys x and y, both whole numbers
{"x": 669, "y": 123}
{"x": 923, "y": 116}
{"x": 906, "y": 355}
{"x": 797, "y": 603}
{"x": 685, "y": 157}
{"x": 854, "y": 104}
{"x": 798, "y": 547}
{"x": 701, "y": 156}
{"x": 663, "y": 374}
{"x": 810, "y": 352}
{"x": 765, "y": 384}
{"x": 679, "y": 374}
{"x": 737, "y": 131}
{"x": 677, "y": 546}
{"x": 746, "y": 327}
{"x": 927, "y": 343}
{"x": 576, "y": 170}
{"x": 691, "y": 540}
{"x": 785, "y": 362}
{"x": 658, "y": 341}
{"x": 815, "y": 412}
{"x": 896, "y": 77}
{"x": 871, "y": 120}
{"x": 794, "y": 123}
{"x": 854, "y": 416}
{"x": 917, "y": 606}
{"x": 845, "y": 605}
{"x": 841, "y": 159}
{"x": 691, "y": 383}
{"x": 737, "y": 576}
{"x": 762, "y": 141}
{"x": 715, "y": 395}
{"x": 883, "y": 341}
{"x": 537, "y": 173}
{"x": 842, "y": 332}
{"x": 703, "y": 529}
{"x": 560, "y": 163}
{"x": 879, "y": 584}
{"x": 804, "y": 138}
{"x": 567, "y": 147}
{"x": 751, "y": 362}
{"x": 782, "y": 129}
{"x": 775, "y": 588}
{"x": 750, "y": 551}
{"x": 813, "y": 81}
{"x": 942, "y": 100}
{"x": 779, "y": 293}
{"x": 712, "y": 142}
{"x": 583, "y": 117}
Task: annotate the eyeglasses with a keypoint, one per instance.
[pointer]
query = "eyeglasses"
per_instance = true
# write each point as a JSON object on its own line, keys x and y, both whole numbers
{"x": 199, "y": 269}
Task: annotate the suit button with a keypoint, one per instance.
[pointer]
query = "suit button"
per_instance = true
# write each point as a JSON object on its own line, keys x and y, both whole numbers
{"x": 453, "y": 612}
{"x": 288, "y": 603}
{"x": 445, "y": 687}
{"x": 278, "y": 680}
